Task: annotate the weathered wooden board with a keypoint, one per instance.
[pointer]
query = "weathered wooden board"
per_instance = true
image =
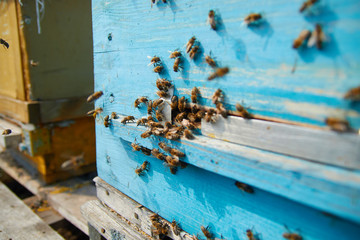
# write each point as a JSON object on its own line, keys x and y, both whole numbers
{"x": 260, "y": 58}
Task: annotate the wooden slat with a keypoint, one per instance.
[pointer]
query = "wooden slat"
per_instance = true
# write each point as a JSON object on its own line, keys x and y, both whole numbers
{"x": 26, "y": 112}
{"x": 341, "y": 149}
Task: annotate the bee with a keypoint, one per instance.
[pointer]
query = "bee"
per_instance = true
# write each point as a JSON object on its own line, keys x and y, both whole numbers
{"x": 212, "y": 20}
{"x": 182, "y": 104}
{"x": 33, "y": 63}
{"x": 162, "y": 94}
{"x": 191, "y": 117}
{"x": 175, "y": 54}
{"x": 141, "y": 121}
{"x": 156, "y": 153}
{"x": 193, "y": 52}
{"x": 146, "y": 134}
{"x": 164, "y": 1}
{"x": 206, "y": 232}
{"x": 180, "y": 117}
{"x": 164, "y": 147}
{"x": 155, "y": 60}
{"x": 4, "y": 43}
{"x": 176, "y": 64}
{"x": 176, "y": 152}
{"x": 145, "y": 151}
{"x": 158, "y": 69}
{"x": 136, "y": 147}
{"x": 140, "y": 100}
{"x": 303, "y": 36}
{"x": 209, "y": 117}
{"x": 221, "y": 109}
{"x": 217, "y": 96}
{"x": 106, "y": 121}
{"x": 251, "y": 235}
{"x": 149, "y": 107}
{"x": 194, "y": 94}
{"x": 291, "y": 236}
{"x": 176, "y": 227}
{"x": 153, "y": 124}
{"x": 157, "y": 103}
{"x": 353, "y": 94}
{"x": 74, "y": 162}
{"x": 95, "y": 112}
{"x": 143, "y": 168}
{"x": 157, "y": 131}
{"x": 174, "y": 102}
{"x": 154, "y": 217}
{"x": 188, "y": 124}
{"x": 200, "y": 114}
{"x": 6, "y": 132}
{"x": 219, "y": 72}
{"x": 317, "y": 37}
{"x": 210, "y": 61}
{"x": 244, "y": 187}
{"x": 252, "y": 18}
{"x": 127, "y": 119}
{"x": 188, "y": 134}
{"x": 167, "y": 127}
{"x": 159, "y": 115}
{"x": 150, "y": 118}
{"x": 172, "y": 161}
{"x": 163, "y": 84}
{"x": 172, "y": 136}
{"x": 336, "y": 124}
{"x": 307, "y": 4}
{"x": 173, "y": 170}
{"x": 244, "y": 113}
{"x": 189, "y": 44}
{"x": 94, "y": 96}
{"x": 114, "y": 115}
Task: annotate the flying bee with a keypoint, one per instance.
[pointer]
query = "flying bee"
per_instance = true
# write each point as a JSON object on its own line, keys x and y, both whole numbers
{"x": 180, "y": 117}
{"x": 353, "y": 94}
{"x": 145, "y": 151}
{"x": 252, "y": 18}
{"x": 164, "y": 147}
{"x": 4, "y": 43}
{"x": 336, "y": 124}
{"x": 95, "y": 112}
{"x": 106, "y": 121}
{"x": 162, "y": 94}
{"x": 154, "y": 60}
{"x": 307, "y": 4}
{"x": 221, "y": 109}
{"x": 174, "y": 102}
{"x": 189, "y": 44}
{"x": 158, "y": 69}
{"x": 217, "y": 96}
{"x": 212, "y": 20}
{"x": 176, "y": 227}
{"x": 154, "y": 217}
{"x": 194, "y": 94}
{"x": 159, "y": 115}
{"x": 302, "y": 38}
{"x": 157, "y": 103}
{"x": 6, "y": 132}
{"x": 127, "y": 119}
{"x": 317, "y": 37}
{"x": 149, "y": 107}
{"x": 175, "y": 54}
{"x": 188, "y": 134}
{"x": 177, "y": 64}
{"x": 182, "y": 104}
{"x": 75, "y": 162}
{"x": 210, "y": 61}
{"x": 136, "y": 147}
{"x": 219, "y": 72}
{"x": 193, "y": 52}
{"x": 140, "y": 100}
{"x": 114, "y": 115}
{"x": 244, "y": 113}
{"x": 146, "y": 134}
{"x": 244, "y": 187}
{"x": 206, "y": 232}
{"x": 163, "y": 84}
{"x": 176, "y": 152}
{"x": 94, "y": 96}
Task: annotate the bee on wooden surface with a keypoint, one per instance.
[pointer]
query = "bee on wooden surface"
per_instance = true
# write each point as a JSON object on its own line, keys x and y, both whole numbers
{"x": 217, "y": 96}
{"x": 157, "y": 131}
{"x": 164, "y": 147}
{"x": 180, "y": 117}
{"x": 6, "y": 132}
{"x": 4, "y": 43}
{"x": 182, "y": 104}
{"x": 162, "y": 94}
{"x": 95, "y": 112}
{"x": 175, "y": 54}
{"x": 74, "y": 162}
{"x": 158, "y": 69}
{"x": 172, "y": 136}
{"x": 159, "y": 115}
{"x": 251, "y": 236}
{"x": 188, "y": 134}
{"x": 174, "y": 102}
{"x": 114, "y": 115}
{"x": 317, "y": 37}
{"x": 191, "y": 117}
{"x": 145, "y": 150}
{"x": 244, "y": 187}
{"x": 156, "y": 153}
{"x": 154, "y": 60}
{"x": 154, "y": 217}
{"x": 106, "y": 121}
{"x": 127, "y": 119}
{"x": 252, "y": 18}
{"x": 163, "y": 84}
{"x": 140, "y": 100}
{"x": 336, "y": 124}
{"x": 200, "y": 114}
{"x": 353, "y": 94}
{"x": 291, "y": 236}
{"x": 149, "y": 107}
{"x": 212, "y": 20}
{"x": 189, "y": 44}
{"x": 210, "y": 114}
{"x": 193, "y": 52}
{"x": 172, "y": 161}
{"x": 243, "y": 112}
{"x": 157, "y": 103}
{"x": 210, "y": 61}
{"x": 219, "y": 72}
{"x": 141, "y": 121}
{"x": 206, "y": 232}
{"x": 136, "y": 147}
{"x": 176, "y": 227}
{"x": 161, "y": 228}
{"x": 173, "y": 170}
{"x": 94, "y": 96}
{"x": 150, "y": 118}
{"x": 221, "y": 109}
{"x": 194, "y": 94}
{"x": 146, "y": 134}
{"x": 176, "y": 152}
{"x": 177, "y": 64}
{"x": 153, "y": 124}
{"x": 143, "y": 168}
{"x": 302, "y": 38}
{"x": 307, "y": 4}
{"x": 188, "y": 124}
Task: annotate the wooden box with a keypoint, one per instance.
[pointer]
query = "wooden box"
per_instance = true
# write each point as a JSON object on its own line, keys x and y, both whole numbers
{"x": 299, "y": 176}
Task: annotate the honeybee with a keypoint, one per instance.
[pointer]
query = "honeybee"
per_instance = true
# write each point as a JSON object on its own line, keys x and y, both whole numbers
{"x": 194, "y": 94}
{"x": 172, "y": 161}
{"x": 164, "y": 147}
{"x": 174, "y": 102}
{"x": 200, "y": 114}
{"x": 221, "y": 109}
{"x": 33, "y": 63}
{"x": 317, "y": 37}
{"x": 251, "y": 235}
{"x": 153, "y": 124}
{"x": 162, "y": 229}
{"x": 188, "y": 124}
{"x": 157, "y": 103}
{"x": 74, "y": 162}
{"x": 176, "y": 152}
{"x": 210, "y": 61}
{"x": 146, "y": 134}
{"x": 145, "y": 150}
{"x": 141, "y": 121}
{"x": 114, "y": 115}
{"x": 219, "y": 72}
{"x": 149, "y": 107}
{"x": 140, "y": 100}
{"x": 106, "y": 121}
{"x": 4, "y": 43}
{"x": 155, "y": 60}
{"x": 175, "y": 54}
{"x": 176, "y": 64}
{"x": 127, "y": 119}
{"x": 163, "y": 84}
{"x": 252, "y": 18}
{"x": 206, "y": 232}
{"x": 159, "y": 115}
{"x": 189, "y": 44}
{"x": 244, "y": 113}
{"x": 182, "y": 104}
{"x": 173, "y": 170}
{"x": 150, "y": 118}
{"x": 209, "y": 117}
{"x": 193, "y": 52}
{"x": 167, "y": 127}
{"x": 353, "y": 94}
{"x": 291, "y": 236}
{"x": 180, "y": 117}
{"x": 157, "y": 131}
{"x": 191, "y": 117}
{"x": 94, "y": 96}
{"x": 158, "y": 69}
{"x": 95, "y": 112}
{"x": 244, "y": 187}
{"x": 212, "y": 20}
{"x": 307, "y": 4}
{"x": 217, "y": 96}
{"x": 188, "y": 134}
{"x": 143, "y": 168}
{"x": 176, "y": 227}
{"x": 303, "y": 36}
{"x": 162, "y": 94}
{"x": 336, "y": 124}
{"x": 172, "y": 136}
{"x": 156, "y": 153}
{"x": 6, "y": 132}
{"x": 136, "y": 147}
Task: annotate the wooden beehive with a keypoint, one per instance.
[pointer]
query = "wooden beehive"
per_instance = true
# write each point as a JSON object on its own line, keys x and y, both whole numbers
{"x": 304, "y": 175}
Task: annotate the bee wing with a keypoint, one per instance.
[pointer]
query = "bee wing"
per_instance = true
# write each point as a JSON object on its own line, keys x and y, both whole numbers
{"x": 312, "y": 40}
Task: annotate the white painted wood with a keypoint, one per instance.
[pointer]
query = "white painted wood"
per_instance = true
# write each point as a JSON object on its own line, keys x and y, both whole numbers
{"x": 340, "y": 149}
{"x": 17, "y": 221}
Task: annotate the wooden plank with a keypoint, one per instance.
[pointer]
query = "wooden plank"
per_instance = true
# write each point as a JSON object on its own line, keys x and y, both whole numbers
{"x": 26, "y": 112}
{"x": 93, "y": 233}
{"x": 19, "y": 222}
{"x": 341, "y": 149}
{"x": 14, "y": 138}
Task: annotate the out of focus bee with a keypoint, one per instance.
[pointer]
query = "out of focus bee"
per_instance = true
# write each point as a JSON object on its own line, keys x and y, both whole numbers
{"x": 149, "y": 107}
{"x": 212, "y": 20}
{"x": 174, "y": 102}
{"x": 154, "y": 217}
{"x": 193, "y": 52}
{"x": 302, "y": 38}
{"x": 6, "y": 132}
{"x": 242, "y": 110}
{"x": 336, "y": 124}
{"x": 162, "y": 94}
{"x": 172, "y": 136}
{"x": 176, "y": 152}
{"x": 175, "y": 54}
{"x": 33, "y": 63}
{"x": 106, "y": 121}
{"x": 141, "y": 121}
{"x": 136, "y": 147}
{"x": 206, "y": 232}
{"x": 307, "y": 4}
{"x": 158, "y": 69}
{"x": 163, "y": 84}
{"x": 189, "y": 44}
{"x": 157, "y": 103}
{"x": 150, "y": 118}
{"x": 127, "y": 119}
{"x": 178, "y": 129}
{"x": 140, "y": 100}
{"x": 74, "y": 162}
{"x": 200, "y": 114}
{"x": 4, "y": 43}
{"x": 153, "y": 2}
{"x": 317, "y": 37}
{"x": 353, "y": 94}
{"x": 95, "y": 112}
{"x": 252, "y": 18}
{"x": 146, "y": 134}
{"x": 191, "y": 117}
{"x": 182, "y": 104}
{"x": 157, "y": 131}
{"x": 291, "y": 236}
{"x": 251, "y": 236}
{"x": 146, "y": 151}
{"x": 176, "y": 227}
{"x": 161, "y": 228}
{"x": 194, "y": 94}
{"x": 164, "y": 147}
{"x": 114, "y": 115}
{"x": 154, "y": 60}
{"x": 159, "y": 115}
{"x": 219, "y": 72}
{"x": 180, "y": 117}
{"x": 188, "y": 134}
{"x": 210, "y": 114}
{"x": 94, "y": 96}
{"x": 177, "y": 64}
{"x": 209, "y": 60}
{"x": 217, "y": 96}
{"x": 221, "y": 109}
{"x": 153, "y": 124}
{"x": 244, "y": 187}
{"x": 190, "y": 125}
